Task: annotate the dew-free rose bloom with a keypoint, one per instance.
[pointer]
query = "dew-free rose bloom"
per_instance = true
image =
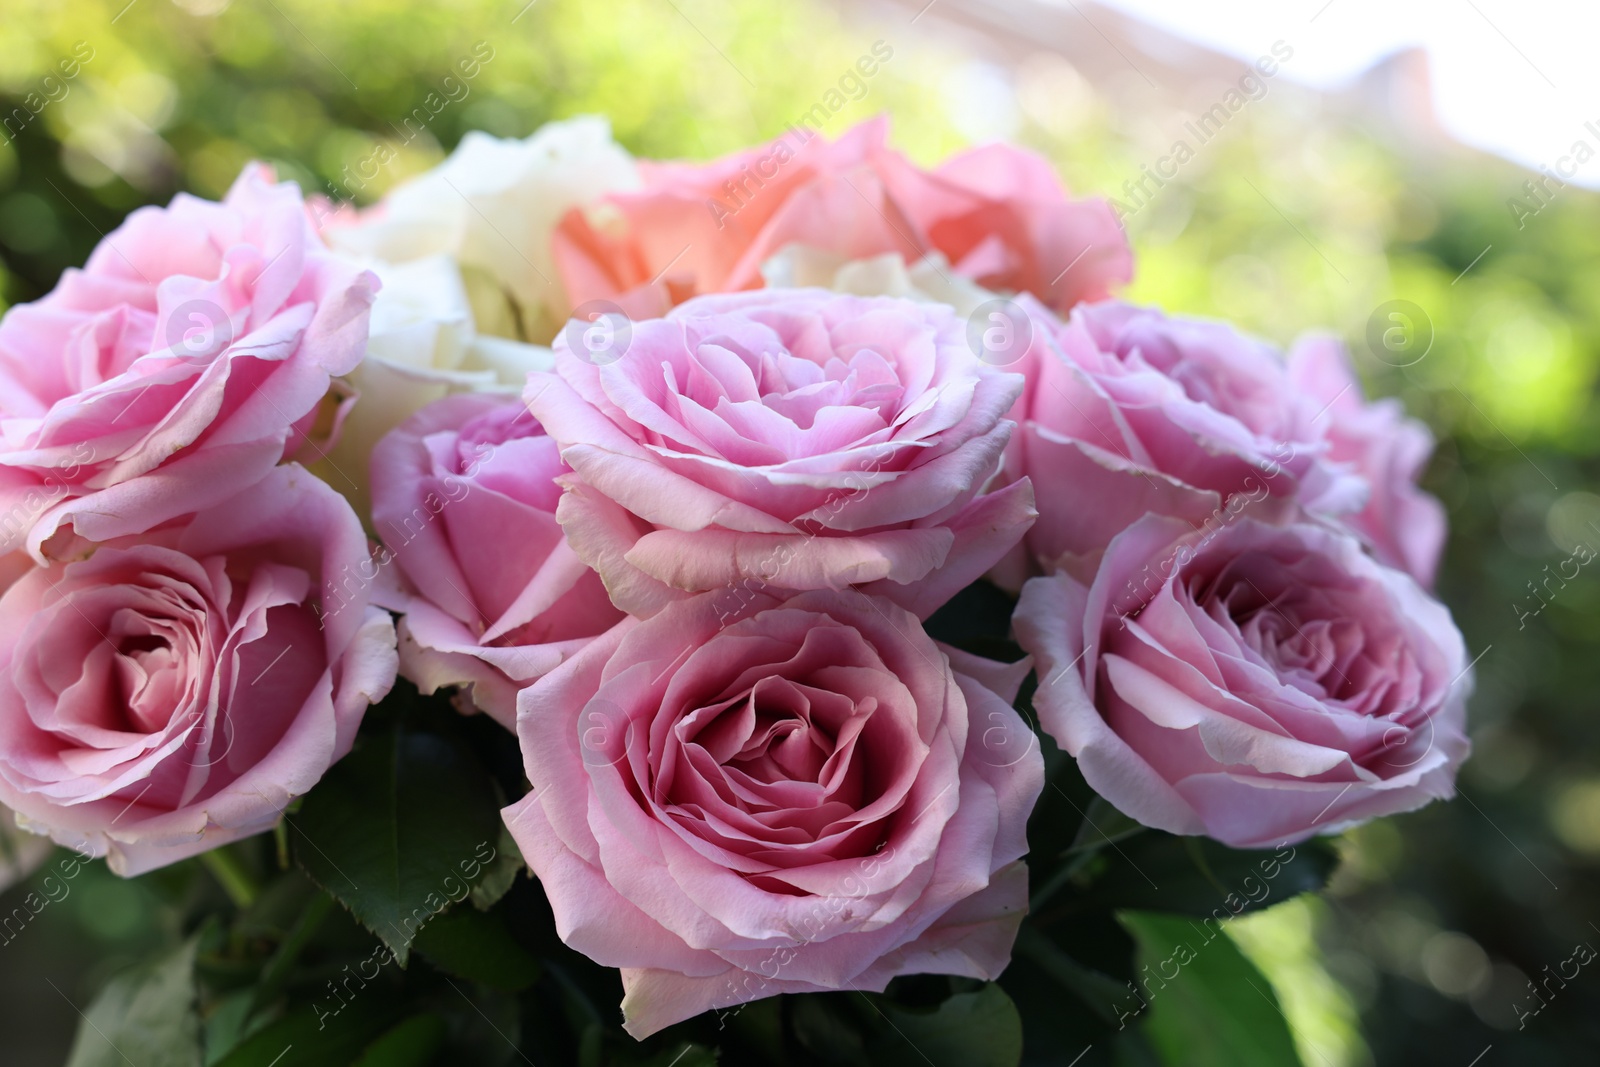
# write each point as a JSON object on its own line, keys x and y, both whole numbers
{"x": 929, "y": 279}
{"x": 797, "y": 439}
{"x": 1129, "y": 411}
{"x": 1404, "y": 526}
{"x": 491, "y": 207}
{"x": 811, "y": 795}
{"x": 1256, "y": 684}
{"x": 20, "y": 853}
{"x": 491, "y": 594}
{"x": 164, "y": 694}
{"x": 423, "y": 345}
{"x": 998, "y": 214}
{"x": 179, "y": 364}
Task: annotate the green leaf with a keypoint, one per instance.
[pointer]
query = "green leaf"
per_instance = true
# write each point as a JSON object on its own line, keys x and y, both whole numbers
{"x": 487, "y": 1029}
{"x": 500, "y": 873}
{"x": 413, "y": 1043}
{"x": 1197, "y": 876}
{"x": 399, "y": 829}
{"x": 978, "y": 1029}
{"x": 228, "y": 1022}
{"x": 276, "y": 972}
{"x": 307, "y": 1037}
{"x": 1067, "y": 981}
{"x": 828, "y": 1026}
{"x": 1205, "y": 1002}
{"x": 477, "y": 946}
{"x": 145, "y": 1015}
{"x": 1103, "y": 826}
{"x": 685, "y": 1055}
{"x": 1099, "y": 991}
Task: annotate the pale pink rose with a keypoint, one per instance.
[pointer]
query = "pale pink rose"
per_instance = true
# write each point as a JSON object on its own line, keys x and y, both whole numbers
{"x": 814, "y": 796}
{"x": 464, "y": 499}
{"x": 20, "y": 853}
{"x": 793, "y": 438}
{"x": 181, "y": 363}
{"x": 1404, "y": 526}
{"x": 1128, "y": 411}
{"x": 999, "y": 214}
{"x": 1257, "y": 684}
{"x": 164, "y": 694}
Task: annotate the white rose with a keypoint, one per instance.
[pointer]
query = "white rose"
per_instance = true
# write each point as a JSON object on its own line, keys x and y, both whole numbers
{"x": 492, "y": 206}
{"x": 930, "y": 279}
{"x": 422, "y": 346}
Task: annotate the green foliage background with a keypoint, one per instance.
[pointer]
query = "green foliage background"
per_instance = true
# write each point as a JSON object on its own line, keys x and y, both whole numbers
{"x": 1297, "y": 217}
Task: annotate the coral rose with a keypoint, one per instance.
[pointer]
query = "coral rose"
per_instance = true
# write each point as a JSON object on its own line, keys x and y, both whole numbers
{"x": 997, "y": 213}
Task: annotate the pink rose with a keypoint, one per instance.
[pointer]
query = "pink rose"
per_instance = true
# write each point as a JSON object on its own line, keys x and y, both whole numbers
{"x": 998, "y": 214}
{"x": 1129, "y": 411}
{"x": 814, "y": 797}
{"x": 1403, "y": 526}
{"x": 794, "y": 438}
{"x": 169, "y": 693}
{"x": 464, "y": 498}
{"x": 20, "y": 853}
{"x": 1257, "y": 684}
{"x": 180, "y": 364}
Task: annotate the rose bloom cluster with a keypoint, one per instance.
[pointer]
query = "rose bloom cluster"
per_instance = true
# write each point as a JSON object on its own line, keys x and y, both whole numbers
{"x": 169, "y": 678}
{"x": 683, "y": 545}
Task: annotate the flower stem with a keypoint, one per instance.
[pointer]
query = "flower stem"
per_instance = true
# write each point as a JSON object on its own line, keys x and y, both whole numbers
{"x": 231, "y": 875}
{"x": 276, "y": 972}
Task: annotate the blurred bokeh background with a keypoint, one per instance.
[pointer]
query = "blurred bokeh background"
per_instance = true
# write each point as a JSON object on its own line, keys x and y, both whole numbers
{"x": 1306, "y": 208}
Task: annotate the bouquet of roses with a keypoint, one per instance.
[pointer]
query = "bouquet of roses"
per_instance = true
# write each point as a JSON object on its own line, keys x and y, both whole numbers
{"x": 799, "y": 564}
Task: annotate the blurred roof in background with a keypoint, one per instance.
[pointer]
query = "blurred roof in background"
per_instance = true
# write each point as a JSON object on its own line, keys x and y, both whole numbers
{"x": 1415, "y": 74}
